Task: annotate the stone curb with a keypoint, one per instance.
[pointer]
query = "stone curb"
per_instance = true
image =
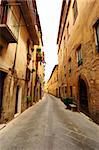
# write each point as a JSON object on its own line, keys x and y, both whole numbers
{"x": 2, "y": 126}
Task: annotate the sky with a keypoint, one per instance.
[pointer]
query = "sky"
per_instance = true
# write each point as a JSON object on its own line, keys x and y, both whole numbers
{"x": 49, "y": 13}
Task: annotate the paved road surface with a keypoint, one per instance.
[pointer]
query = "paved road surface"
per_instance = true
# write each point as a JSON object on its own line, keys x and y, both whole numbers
{"x": 49, "y": 126}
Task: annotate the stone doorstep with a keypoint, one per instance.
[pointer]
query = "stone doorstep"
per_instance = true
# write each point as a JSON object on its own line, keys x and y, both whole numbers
{"x": 2, "y": 126}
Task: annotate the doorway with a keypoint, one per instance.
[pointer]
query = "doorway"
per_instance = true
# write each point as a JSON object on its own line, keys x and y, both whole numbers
{"x": 18, "y": 100}
{"x": 59, "y": 92}
{"x": 2, "y": 78}
{"x": 83, "y": 96}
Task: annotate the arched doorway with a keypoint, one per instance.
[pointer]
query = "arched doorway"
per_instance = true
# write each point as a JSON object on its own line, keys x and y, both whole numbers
{"x": 83, "y": 96}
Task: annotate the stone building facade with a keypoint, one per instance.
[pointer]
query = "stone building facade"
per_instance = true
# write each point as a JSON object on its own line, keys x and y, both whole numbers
{"x": 39, "y": 73}
{"x": 18, "y": 35}
{"x": 78, "y": 54}
{"x": 52, "y": 84}
{"x": 38, "y": 66}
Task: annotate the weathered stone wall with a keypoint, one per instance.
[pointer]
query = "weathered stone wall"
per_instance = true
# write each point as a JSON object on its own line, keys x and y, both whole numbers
{"x": 9, "y": 98}
{"x": 81, "y": 32}
{"x": 38, "y": 75}
{"x": 7, "y": 57}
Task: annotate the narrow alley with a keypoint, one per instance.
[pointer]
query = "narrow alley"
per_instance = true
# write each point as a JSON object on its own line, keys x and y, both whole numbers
{"x": 49, "y": 75}
{"x": 49, "y": 126}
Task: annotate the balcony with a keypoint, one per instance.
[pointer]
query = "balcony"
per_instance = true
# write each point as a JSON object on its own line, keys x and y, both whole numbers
{"x": 5, "y": 30}
{"x": 7, "y": 34}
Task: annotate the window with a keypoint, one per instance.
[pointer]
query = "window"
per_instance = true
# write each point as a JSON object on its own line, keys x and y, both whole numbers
{"x": 97, "y": 34}
{"x": 39, "y": 55}
{"x": 79, "y": 56}
{"x": 70, "y": 66}
{"x": 3, "y": 12}
{"x": 39, "y": 50}
{"x": 75, "y": 10}
{"x": 69, "y": 59}
{"x": 70, "y": 71}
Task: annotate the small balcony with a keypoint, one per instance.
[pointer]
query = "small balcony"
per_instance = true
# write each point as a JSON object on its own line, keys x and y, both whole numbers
{"x": 7, "y": 34}
{"x": 5, "y": 31}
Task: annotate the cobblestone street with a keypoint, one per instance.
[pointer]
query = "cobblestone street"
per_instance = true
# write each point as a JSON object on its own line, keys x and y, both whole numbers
{"x": 49, "y": 126}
